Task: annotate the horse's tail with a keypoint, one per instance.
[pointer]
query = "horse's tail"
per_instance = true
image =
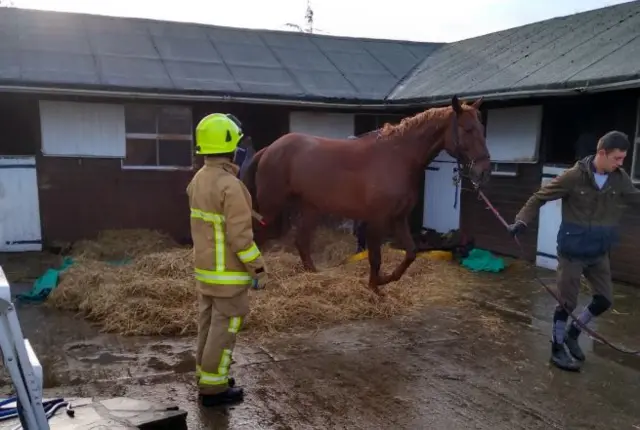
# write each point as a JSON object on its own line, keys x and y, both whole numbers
{"x": 249, "y": 176}
{"x": 261, "y": 233}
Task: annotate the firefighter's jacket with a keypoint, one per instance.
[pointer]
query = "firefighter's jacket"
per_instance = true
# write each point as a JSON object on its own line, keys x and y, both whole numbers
{"x": 225, "y": 255}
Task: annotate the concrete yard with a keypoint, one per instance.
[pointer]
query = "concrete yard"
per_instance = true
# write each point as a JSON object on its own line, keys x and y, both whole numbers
{"x": 478, "y": 364}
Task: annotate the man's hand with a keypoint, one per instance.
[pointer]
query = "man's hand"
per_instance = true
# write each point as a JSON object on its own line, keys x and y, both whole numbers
{"x": 516, "y": 228}
{"x": 262, "y": 281}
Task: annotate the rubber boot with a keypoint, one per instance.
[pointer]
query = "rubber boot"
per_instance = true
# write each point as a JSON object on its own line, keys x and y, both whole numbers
{"x": 571, "y": 340}
{"x": 231, "y": 395}
{"x": 561, "y": 359}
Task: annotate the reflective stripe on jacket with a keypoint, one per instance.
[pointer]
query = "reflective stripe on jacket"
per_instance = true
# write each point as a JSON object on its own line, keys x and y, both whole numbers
{"x": 225, "y": 255}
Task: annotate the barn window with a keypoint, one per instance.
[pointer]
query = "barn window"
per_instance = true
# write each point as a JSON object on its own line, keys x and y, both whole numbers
{"x": 72, "y": 129}
{"x": 333, "y": 125}
{"x": 635, "y": 164}
{"x": 513, "y": 134}
{"x": 158, "y": 137}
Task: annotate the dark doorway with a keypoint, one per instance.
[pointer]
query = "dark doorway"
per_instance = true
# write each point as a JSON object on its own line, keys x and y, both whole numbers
{"x": 572, "y": 126}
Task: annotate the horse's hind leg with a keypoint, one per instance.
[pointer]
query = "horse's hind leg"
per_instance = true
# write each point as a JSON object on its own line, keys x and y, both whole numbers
{"x": 403, "y": 234}
{"x": 307, "y": 222}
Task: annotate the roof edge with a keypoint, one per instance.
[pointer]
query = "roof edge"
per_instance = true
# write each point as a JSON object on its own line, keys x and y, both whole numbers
{"x": 330, "y": 103}
{"x": 335, "y": 103}
{"x": 557, "y": 91}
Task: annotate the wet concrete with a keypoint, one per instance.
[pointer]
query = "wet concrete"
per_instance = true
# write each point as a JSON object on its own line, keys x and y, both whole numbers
{"x": 480, "y": 363}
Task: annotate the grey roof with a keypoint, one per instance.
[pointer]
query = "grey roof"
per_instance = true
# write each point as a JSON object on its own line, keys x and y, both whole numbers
{"x": 100, "y": 52}
{"x": 571, "y": 52}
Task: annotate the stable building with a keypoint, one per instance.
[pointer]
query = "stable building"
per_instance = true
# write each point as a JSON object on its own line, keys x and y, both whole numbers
{"x": 97, "y": 114}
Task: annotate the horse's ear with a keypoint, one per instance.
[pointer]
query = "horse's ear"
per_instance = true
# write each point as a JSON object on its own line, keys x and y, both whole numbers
{"x": 477, "y": 103}
{"x": 455, "y": 104}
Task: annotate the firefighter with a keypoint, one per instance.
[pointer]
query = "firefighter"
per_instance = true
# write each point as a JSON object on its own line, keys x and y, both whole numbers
{"x": 227, "y": 260}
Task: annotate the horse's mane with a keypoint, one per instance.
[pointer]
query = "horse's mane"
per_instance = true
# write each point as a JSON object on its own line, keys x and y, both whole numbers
{"x": 417, "y": 121}
{"x": 367, "y": 133}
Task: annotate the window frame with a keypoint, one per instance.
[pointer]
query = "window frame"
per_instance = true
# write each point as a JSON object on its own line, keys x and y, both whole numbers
{"x": 496, "y": 165}
{"x": 536, "y": 114}
{"x": 158, "y": 137}
{"x": 512, "y": 170}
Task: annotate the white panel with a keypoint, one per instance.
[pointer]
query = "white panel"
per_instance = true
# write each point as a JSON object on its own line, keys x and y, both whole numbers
{"x": 439, "y": 198}
{"x": 82, "y": 129}
{"x": 513, "y": 134}
{"x": 332, "y": 125}
{"x": 19, "y": 207}
{"x": 549, "y": 220}
{"x": 444, "y": 157}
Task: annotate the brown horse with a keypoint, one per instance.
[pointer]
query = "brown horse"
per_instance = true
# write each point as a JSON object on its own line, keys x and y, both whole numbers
{"x": 374, "y": 178}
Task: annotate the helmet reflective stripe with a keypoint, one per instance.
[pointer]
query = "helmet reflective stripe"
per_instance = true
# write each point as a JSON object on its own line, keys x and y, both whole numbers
{"x": 217, "y": 133}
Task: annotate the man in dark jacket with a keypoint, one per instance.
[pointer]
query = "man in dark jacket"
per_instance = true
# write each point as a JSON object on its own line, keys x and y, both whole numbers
{"x": 593, "y": 193}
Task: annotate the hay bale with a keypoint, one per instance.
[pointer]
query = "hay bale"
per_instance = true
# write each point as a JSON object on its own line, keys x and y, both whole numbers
{"x": 155, "y": 294}
{"x": 113, "y": 245}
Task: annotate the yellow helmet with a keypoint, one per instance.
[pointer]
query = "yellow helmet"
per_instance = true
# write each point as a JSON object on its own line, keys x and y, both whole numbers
{"x": 218, "y": 133}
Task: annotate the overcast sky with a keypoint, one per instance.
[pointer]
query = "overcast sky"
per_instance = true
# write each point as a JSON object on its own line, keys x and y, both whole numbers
{"x": 420, "y": 20}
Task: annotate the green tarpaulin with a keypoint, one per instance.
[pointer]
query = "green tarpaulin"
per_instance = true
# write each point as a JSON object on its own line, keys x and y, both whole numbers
{"x": 46, "y": 283}
{"x": 43, "y": 286}
{"x": 480, "y": 260}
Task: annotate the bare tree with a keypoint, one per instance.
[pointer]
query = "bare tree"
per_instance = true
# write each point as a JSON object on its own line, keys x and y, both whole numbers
{"x": 6, "y": 3}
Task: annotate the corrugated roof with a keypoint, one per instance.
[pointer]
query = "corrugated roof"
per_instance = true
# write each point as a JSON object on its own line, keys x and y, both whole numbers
{"x": 590, "y": 48}
{"x": 66, "y": 49}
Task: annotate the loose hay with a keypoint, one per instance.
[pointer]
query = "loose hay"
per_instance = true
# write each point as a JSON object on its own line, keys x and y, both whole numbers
{"x": 122, "y": 244}
{"x": 155, "y": 293}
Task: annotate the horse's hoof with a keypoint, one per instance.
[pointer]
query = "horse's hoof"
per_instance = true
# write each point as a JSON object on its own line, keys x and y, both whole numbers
{"x": 377, "y": 292}
{"x": 385, "y": 279}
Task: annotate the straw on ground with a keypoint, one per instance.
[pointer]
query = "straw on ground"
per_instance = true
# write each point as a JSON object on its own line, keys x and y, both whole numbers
{"x": 155, "y": 293}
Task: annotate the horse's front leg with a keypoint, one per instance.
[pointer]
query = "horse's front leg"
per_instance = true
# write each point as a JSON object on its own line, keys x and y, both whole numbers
{"x": 403, "y": 235}
{"x": 375, "y": 257}
{"x": 307, "y": 222}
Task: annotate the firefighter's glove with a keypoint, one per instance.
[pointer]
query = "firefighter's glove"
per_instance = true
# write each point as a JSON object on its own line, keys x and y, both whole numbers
{"x": 262, "y": 280}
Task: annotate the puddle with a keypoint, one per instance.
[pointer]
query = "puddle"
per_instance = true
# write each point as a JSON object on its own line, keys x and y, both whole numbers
{"x": 108, "y": 358}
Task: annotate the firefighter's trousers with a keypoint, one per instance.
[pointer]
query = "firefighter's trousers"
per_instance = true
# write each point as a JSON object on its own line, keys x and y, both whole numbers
{"x": 219, "y": 321}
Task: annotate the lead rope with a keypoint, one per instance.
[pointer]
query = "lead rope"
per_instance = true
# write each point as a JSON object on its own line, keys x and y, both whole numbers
{"x": 595, "y": 335}
{"x": 456, "y": 181}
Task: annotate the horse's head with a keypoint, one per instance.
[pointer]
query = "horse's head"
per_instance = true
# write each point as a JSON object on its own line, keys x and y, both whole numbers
{"x": 467, "y": 143}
